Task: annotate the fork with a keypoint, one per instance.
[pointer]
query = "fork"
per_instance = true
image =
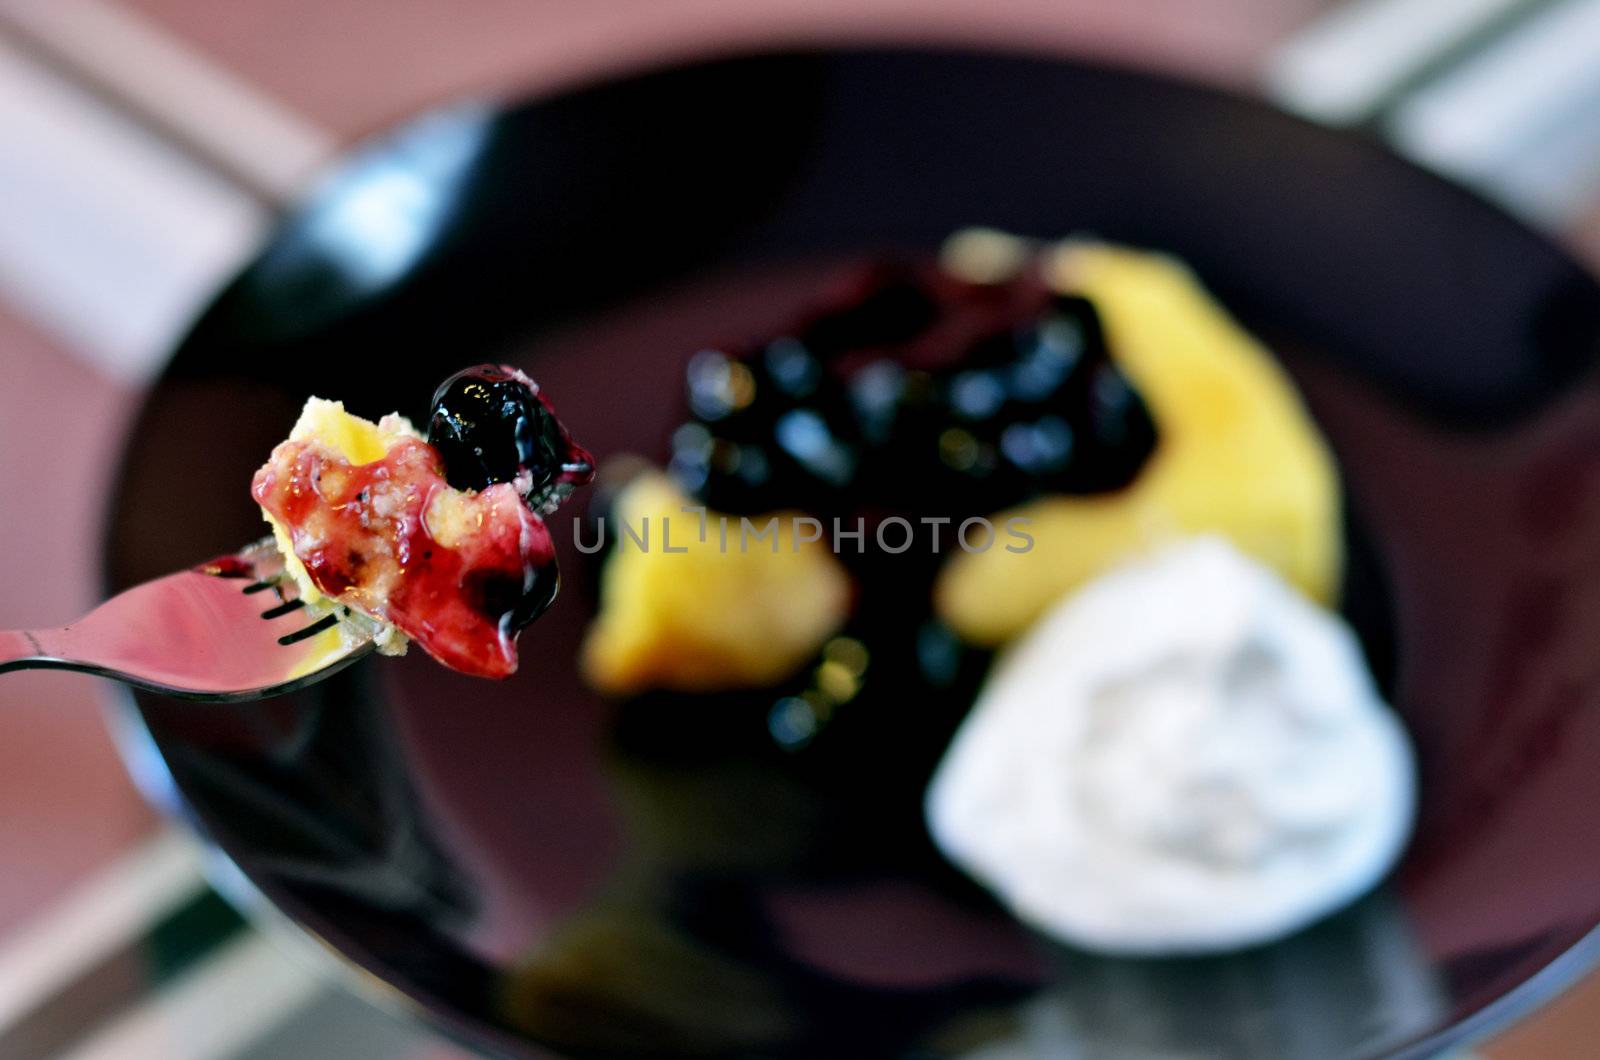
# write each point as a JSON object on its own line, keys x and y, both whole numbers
{"x": 231, "y": 629}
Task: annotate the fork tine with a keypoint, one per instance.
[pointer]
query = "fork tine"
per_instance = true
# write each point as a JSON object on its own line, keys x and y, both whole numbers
{"x": 283, "y": 609}
{"x": 323, "y": 623}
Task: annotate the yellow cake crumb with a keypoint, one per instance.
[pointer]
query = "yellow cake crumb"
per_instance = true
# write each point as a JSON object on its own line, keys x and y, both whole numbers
{"x": 359, "y": 441}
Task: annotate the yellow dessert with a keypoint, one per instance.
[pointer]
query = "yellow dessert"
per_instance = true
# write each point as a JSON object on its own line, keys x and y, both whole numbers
{"x": 357, "y": 441}
{"x": 1237, "y": 455}
{"x": 715, "y": 615}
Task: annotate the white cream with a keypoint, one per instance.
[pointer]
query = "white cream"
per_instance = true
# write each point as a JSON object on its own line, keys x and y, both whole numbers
{"x": 1184, "y": 757}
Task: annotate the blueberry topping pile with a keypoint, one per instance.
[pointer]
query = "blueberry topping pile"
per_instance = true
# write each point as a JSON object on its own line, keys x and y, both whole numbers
{"x": 908, "y": 393}
{"x": 918, "y": 394}
{"x": 492, "y": 425}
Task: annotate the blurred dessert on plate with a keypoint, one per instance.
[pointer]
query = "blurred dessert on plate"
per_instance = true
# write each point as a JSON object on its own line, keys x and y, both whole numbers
{"x": 1053, "y": 498}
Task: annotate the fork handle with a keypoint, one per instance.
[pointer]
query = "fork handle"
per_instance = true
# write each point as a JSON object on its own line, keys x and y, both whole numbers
{"x": 20, "y": 648}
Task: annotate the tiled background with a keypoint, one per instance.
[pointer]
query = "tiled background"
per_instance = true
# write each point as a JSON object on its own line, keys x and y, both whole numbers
{"x": 143, "y": 146}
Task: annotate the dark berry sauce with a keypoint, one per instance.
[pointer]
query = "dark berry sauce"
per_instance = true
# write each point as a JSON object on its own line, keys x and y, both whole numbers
{"x": 918, "y": 394}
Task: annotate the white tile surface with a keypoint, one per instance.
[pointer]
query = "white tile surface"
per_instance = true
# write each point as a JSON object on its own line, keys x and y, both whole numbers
{"x": 225, "y": 1005}
{"x": 1511, "y": 107}
{"x": 104, "y": 913}
{"x": 1477, "y": 117}
{"x": 251, "y": 136}
{"x": 1557, "y": 178}
{"x": 1340, "y": 67}
{"x": 1515, "y": 114}
{"x": 108, "y": 236}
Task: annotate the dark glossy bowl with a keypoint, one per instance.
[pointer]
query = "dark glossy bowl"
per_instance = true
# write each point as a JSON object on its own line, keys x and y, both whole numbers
{"x": 536, "y": 869}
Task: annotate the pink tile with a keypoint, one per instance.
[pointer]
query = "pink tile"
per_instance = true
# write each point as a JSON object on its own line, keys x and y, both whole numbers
{"x": 66, "y": 805}
{"x": 354, "y": 65}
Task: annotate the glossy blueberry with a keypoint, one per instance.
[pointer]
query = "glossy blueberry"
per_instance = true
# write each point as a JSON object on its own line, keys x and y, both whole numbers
{"x": 1041, "y": 448}
{"x": 718, "y": 385}
{"x": 1047, "y": 358}
{"x": 806, "y": 437}
{"x": 977, "y": 395}
{"x": 1114, "y": 409}
{"x": 690, "y": 462}
{"x": 490, "y": 425}
{"x": 792, "y": 368}
{"x": 877, "y": 393}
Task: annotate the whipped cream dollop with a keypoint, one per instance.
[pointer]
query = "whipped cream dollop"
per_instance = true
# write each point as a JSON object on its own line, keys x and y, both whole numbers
{"x": 1185, "y": 756}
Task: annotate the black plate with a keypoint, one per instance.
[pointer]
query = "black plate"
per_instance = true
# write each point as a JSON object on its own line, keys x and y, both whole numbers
{"x": 531, "y": 867}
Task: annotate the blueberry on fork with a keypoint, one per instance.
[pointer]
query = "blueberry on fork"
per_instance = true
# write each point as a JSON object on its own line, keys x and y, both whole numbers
{"x": 491, "y": 424}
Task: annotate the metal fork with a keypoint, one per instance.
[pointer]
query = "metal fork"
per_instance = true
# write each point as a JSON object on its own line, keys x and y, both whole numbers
{"x": 231, "y": 629}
